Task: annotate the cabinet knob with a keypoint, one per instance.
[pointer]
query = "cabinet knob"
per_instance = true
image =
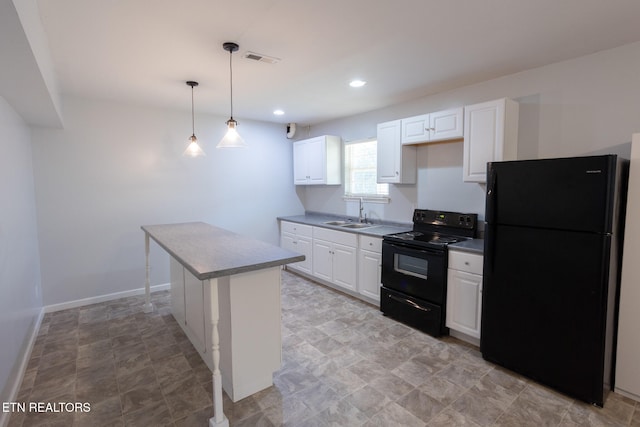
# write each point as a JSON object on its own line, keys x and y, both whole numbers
{"x": 466, "y": 263}
{"x": 397, "y": 173}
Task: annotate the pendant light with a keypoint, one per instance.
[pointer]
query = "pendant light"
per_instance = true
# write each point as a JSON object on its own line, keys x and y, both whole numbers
{"x": 193, "y": 149}
{"x": 232, "y": 138}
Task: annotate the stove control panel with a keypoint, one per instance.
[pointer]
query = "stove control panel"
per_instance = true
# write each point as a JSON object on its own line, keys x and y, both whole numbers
{"x": 443, "y": 218}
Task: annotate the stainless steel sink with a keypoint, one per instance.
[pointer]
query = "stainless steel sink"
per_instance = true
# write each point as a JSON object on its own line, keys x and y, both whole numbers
{"x": 340, "y": 223}
{"x": 357, "y": 225}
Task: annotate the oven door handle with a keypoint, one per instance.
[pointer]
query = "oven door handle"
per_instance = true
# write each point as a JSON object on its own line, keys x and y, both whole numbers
{"x": 409, "y": 302}
{"x": 413, "y": 249}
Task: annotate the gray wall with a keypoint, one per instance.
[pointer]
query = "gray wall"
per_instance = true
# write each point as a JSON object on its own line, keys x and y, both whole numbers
{"x": 21, "y": 299}
{"x": 579, "y": 106}
{"x": 116, "y": 167}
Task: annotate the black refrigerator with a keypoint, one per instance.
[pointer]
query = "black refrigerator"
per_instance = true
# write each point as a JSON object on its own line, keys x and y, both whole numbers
{"x": 551, "y": 270}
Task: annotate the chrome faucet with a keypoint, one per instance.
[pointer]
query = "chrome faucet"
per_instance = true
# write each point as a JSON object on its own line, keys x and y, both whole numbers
{"x": 360, "y": 217}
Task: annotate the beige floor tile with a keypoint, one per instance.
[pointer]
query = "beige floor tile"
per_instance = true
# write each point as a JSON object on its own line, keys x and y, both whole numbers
{"x": 344, "y": 364}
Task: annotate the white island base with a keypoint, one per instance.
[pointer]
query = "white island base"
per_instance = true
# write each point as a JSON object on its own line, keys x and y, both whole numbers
{"x": 225, "y": 294}
{"x": 249, "y": 325}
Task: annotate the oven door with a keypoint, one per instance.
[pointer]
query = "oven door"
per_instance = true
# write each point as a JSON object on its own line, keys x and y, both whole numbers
{"x": 417, "y": 272}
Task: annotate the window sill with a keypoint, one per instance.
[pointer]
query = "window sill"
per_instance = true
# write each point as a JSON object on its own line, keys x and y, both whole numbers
{"x": 367, "y": 199}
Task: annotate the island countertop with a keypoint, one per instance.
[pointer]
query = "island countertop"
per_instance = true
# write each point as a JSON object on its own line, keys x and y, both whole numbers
{"x": 209, "y": 252}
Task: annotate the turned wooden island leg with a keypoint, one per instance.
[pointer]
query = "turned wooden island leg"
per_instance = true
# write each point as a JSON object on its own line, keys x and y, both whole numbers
{"x": 219, "y": 419}
{"x": 148, "y": 307}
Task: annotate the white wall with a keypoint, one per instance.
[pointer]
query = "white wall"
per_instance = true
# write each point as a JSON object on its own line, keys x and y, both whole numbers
{"x": 21, "y": 301}
{"x": 116, "y": 167}
{"x": 569, "y": 108}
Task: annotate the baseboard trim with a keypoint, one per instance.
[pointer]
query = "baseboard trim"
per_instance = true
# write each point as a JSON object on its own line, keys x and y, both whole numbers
{"x": 17, "y": 379}
{"x": 628, "y": 394}
{"x": 102, "y": 298}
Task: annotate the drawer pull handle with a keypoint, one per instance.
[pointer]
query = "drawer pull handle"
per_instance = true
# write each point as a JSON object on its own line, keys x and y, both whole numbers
{"x": 407, "y": 301}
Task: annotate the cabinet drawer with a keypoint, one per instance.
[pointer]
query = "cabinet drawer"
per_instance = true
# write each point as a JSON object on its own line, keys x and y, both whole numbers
{"x": 465, "y": 261}
{"x": 369, "y": 243}
{"x": 299, "y": 230}
{"x": 341, "y": 237}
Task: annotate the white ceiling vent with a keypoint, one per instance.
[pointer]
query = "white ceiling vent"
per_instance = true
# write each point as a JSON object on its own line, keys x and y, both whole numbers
{"x": 262, "y": 58}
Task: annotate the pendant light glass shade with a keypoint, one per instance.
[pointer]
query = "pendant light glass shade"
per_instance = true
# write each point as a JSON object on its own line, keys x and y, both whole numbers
{"x": 193, "y": 149}
{"x": 231, "y": 139}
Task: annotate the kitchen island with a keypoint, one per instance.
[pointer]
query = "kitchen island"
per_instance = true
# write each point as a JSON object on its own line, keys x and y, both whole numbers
{"x": 225, "y": 294}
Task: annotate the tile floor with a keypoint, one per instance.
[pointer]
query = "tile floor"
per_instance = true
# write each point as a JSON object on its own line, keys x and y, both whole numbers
{"x": 344, "y": 364}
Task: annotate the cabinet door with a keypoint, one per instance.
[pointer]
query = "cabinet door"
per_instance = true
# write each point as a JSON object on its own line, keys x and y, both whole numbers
{"x": 290, "y": 242}
{"x": 316, "y": 160}
{"x": 464, "y": 302}
{"x": 483, "y": 138}
{"x": 300, "y": 169}
{"x": 322, "y": 259}
{"x": 389, "y": 151}
{"x": 369, "y": 273}
{"x": 304, "y": 246}
{"x": 177, "y": 290}
{"x": 415, "y": 129}
{"x": 287, "y": 241}
{"x": 194, "y": 300}
{"x": 344, "y": 266}
{"x": 396, "y": 162}
{"x": 446, "y": 124}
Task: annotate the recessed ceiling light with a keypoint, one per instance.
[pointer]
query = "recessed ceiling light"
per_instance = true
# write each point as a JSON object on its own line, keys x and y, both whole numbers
{"x": 357, "y": 83}
{"x": 278, "y": 112}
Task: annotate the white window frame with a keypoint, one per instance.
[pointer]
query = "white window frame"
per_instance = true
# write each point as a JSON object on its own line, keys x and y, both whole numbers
{"x": 367, "y": 197}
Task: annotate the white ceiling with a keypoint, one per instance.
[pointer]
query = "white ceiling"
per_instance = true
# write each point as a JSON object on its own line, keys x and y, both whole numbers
{"x": 143, "y": 51}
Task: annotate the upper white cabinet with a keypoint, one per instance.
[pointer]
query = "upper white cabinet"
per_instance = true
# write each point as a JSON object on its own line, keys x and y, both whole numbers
{"x": 396, "y": 162}
{"x": 316, "y": 161}
{"x": 415, "y": 129}
{"x": 438, "y": 126}
{"x": 490, "y": 135}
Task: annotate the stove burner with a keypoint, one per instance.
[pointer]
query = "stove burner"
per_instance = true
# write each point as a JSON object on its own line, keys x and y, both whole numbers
{"x": 425, "y": 238}
{"x": 410, "y": 235}
{"x": 445, "y": 239}
{"x": 437, "y": 229}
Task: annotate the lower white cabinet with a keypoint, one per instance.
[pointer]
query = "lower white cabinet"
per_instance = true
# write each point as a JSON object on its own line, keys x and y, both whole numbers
{"x": 194, "y": 317}
{"x": 348, "y": 261}
{"x": 370, "y": 266}
{"x": 187, "y": 304}
{"x": 464, "y": 293}
{"x": 177, "y": 290}
{"x": 250, "y": 324}
{"x": 334, "y": 257}
{"x": 298, "y": 238}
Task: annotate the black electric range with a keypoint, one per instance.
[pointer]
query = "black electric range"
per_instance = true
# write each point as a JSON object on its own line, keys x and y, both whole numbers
{"x": 414, "y": 268}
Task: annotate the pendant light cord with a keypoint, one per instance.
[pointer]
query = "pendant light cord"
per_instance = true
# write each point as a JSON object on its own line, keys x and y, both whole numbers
{"x": 231, "y": 81}
{"x": 193, "y": 120}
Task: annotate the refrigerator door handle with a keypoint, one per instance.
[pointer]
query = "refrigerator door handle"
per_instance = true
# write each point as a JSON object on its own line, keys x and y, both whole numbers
{"x": 492, "y": 181}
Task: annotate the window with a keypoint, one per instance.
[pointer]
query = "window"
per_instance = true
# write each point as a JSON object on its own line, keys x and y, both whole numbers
{"x": 360, "y": 170}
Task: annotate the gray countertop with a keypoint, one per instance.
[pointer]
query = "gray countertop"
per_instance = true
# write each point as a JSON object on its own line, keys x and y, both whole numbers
{"x": 378, "y": 228}
{"x": 209, "y": 252}
{"x": 471, "y": 245}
